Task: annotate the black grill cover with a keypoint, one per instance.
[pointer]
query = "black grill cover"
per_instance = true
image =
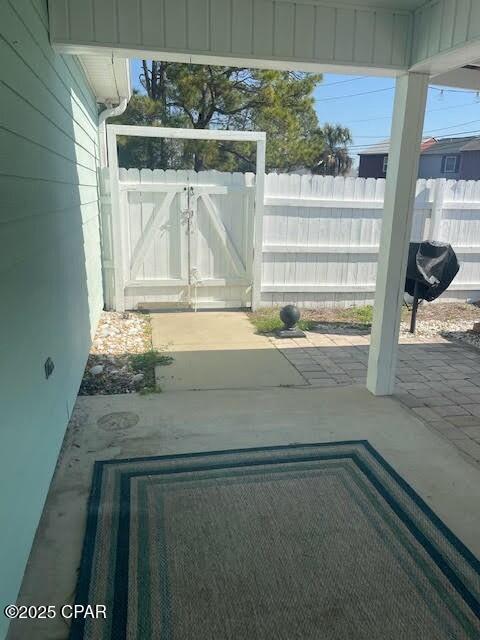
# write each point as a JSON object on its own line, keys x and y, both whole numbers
{"x": 434, "y": 265}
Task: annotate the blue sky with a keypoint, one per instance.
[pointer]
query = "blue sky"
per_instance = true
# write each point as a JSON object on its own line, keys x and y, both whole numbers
{"x": 368, "y": 116}
{"x": 451, "y": 113}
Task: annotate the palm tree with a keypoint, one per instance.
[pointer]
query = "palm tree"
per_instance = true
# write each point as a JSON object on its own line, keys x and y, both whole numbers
{"x": 334, "y": 159}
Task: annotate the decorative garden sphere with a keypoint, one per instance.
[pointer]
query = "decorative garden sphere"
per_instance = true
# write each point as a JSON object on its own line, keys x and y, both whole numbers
{"x": 289, "y": 315}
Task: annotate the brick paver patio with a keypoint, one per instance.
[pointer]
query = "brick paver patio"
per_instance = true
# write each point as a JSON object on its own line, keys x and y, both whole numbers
{"x": 436, "y": 379}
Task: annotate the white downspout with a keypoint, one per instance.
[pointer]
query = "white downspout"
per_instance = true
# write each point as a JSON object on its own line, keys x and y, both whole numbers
{"x": 104, "y": 198}
{"x": 109, "y": 112}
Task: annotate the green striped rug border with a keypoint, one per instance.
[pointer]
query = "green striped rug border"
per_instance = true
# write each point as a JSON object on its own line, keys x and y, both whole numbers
{"x": 120, "y": 614}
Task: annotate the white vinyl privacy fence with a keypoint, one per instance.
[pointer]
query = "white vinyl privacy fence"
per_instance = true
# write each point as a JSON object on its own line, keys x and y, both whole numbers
{"x": 320, "y": 237}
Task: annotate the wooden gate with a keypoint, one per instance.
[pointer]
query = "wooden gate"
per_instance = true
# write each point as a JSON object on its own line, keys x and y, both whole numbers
{"x": 185, "y": 239}
{"x": 188, "y": 238}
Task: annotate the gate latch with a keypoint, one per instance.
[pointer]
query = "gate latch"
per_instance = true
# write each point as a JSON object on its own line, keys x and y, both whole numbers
{"x": 188, "y": 212}
{"x": 186, "y": 216}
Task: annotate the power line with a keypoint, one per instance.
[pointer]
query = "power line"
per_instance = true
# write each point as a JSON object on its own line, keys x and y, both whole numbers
{"x": 352, "y": 95}
{"x": 442, "y": 90}
{"x": 374, "y": 137}
{"x": 458, "y": 124}
{"x": 434, "y": 88}
{"x": 455, "y": 106}
{"x": 330, "y": 84}
{"x": 374, "y": 144}
{"x": 371, "y": 119}
{"x": 365, "y": 93}
{"x": 452, "y": 133}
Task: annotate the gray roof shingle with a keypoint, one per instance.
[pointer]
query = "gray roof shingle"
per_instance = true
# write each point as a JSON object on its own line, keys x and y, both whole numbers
{"x": 430, "y": 146}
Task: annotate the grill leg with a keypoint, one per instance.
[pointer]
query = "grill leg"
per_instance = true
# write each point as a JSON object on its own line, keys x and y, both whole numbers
{"x": 413, "y": 319}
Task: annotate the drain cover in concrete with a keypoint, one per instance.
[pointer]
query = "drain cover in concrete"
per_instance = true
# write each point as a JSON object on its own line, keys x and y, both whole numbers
{"x": 118, "y": 421}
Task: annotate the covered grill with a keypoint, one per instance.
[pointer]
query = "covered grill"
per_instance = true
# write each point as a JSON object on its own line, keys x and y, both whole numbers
{"x": 431, "y": 268}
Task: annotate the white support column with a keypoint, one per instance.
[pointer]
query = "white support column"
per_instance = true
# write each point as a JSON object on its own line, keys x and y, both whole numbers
{"x": 258, "y": 222}
{"x": 407, "y": 125}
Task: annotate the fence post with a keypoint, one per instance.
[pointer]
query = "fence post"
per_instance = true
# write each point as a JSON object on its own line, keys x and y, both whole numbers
{"x": 437, "y": 209}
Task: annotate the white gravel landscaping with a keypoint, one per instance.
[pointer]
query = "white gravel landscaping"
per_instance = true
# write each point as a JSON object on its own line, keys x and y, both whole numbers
{"x": 109, "y": 369}
{"x": 459, "y": 329}
{"x": 449, "y": 321}
{"x": 121, "y": 333}
{"x": 452, "y": 321}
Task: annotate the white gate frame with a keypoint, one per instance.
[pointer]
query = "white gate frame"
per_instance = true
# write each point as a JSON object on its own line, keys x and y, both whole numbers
{"x": 114, "y": 130}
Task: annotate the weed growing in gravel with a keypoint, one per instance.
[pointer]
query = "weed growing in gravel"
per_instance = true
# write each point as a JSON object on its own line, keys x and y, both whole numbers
{"x": 267, "y": 320}
{"x": 145, "y": 364}
{"x": 357, "y": 315}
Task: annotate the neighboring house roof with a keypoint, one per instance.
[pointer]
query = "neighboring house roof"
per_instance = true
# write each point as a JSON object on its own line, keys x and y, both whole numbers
{"x": 376, "y": 149}
{"x": 446, "y": 146}
{"x": 384, "y": 147}
{"x": 473, "y": 145}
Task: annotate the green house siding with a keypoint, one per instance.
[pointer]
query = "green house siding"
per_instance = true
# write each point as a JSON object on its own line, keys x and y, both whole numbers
{"x": 50, "y": 270}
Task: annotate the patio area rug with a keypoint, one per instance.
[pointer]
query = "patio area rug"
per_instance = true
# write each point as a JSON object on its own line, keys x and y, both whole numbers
{"x": 299, "y": 542}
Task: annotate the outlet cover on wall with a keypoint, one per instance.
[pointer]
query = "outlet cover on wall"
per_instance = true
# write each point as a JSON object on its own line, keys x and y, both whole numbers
{"x": 49, "y": 367}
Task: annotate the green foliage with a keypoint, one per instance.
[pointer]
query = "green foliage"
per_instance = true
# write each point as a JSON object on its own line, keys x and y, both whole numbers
{"x": 267, "y": 320}
{"x": 201, "y": 97}
{"x": 145, "y": 363}
{"x": 334, "y": 159}
{"x": 357, "y": 315}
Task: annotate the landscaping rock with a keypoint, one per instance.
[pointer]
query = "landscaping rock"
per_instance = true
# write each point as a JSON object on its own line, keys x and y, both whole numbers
{"x": 97, "y": 370}
{"x": 476, "y": 327}
{"x": 108, "y": 370}
{"x": 119, "y": 334}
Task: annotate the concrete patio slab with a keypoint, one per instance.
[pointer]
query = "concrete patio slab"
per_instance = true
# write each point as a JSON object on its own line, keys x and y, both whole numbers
{"x": 439, "y": 380}
{"x": 218, "y": 350}
{"x": 205, "y": 330}
{"x": 105, "y": 427}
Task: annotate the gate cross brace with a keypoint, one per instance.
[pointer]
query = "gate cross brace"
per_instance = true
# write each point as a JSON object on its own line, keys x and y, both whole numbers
{"x": 222, "y": 232}
{"x": 148, "y": 235}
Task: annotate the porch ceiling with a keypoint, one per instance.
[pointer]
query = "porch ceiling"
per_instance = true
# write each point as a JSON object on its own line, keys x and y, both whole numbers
{"x": 377, "y": 37}
{"x": 464, "y": 78}
{"x": 109, "y": 77}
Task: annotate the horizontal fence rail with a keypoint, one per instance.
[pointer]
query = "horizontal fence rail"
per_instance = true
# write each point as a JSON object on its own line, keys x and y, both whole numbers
{"x": 321, "y": 235}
